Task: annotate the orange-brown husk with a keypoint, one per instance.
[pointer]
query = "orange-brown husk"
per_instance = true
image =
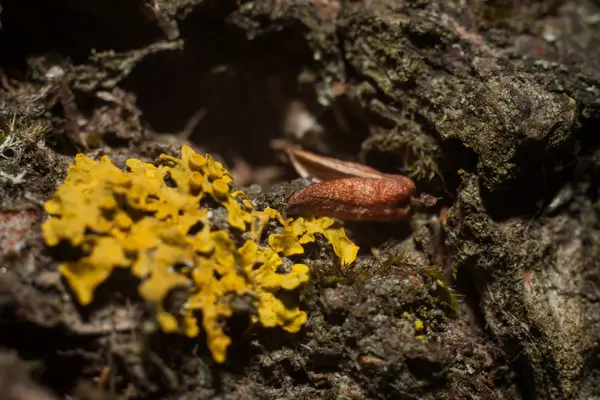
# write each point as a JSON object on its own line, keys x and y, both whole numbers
{"x": 355, "y": 199}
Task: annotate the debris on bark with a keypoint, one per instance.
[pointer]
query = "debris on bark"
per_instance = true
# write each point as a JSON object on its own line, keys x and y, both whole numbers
{"x": 490, "y": 107}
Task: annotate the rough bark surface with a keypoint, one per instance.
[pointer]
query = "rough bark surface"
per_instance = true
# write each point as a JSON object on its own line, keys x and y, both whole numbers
{"x": 492, "y": 106}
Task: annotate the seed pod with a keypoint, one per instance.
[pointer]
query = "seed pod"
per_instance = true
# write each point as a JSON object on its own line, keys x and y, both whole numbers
{"x": 321, "y": 168}
{"x": 355, "y": 199}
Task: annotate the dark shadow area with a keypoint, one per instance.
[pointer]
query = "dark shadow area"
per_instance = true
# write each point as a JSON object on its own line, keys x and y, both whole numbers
{"x": 592, "y": 363}
{"x": 120, "y": 288}
{"x": 427, "y": 369}
{"x": 471, "y": 287}
{"x": 369, "y": 235}
{"x": 543, "y": 174}
{"x": 240, "y": 87}
{"x": 472, "y": 282}
{"x": 549, "y": 173}
{"x": 73, "y": 28}
{"x": 59, "y": 354}
{"x": 345, "y": 125}
{"x": 587, "y": 169}
{"x": 456, "y": 157}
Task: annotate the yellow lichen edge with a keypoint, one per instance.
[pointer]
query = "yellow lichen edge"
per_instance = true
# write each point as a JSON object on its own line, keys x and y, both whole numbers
{"x": 149, "y": 220}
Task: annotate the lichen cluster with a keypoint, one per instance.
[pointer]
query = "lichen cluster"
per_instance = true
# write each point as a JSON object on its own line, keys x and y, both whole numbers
{"x": 153, "y": 221}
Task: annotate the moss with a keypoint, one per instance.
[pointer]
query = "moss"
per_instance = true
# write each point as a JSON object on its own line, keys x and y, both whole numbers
{"x": 17, "y": 132}
{"x": 151, "y": 221}
{"x": 419, "y": 153}
{"x": 501, "y": 121}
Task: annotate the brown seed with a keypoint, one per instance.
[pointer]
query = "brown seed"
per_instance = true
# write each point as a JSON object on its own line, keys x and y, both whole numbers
{"x": 355, "y": 199}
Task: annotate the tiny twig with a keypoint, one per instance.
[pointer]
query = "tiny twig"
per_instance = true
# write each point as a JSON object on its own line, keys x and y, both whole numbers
{"x": 72, "y": 114}
{"x": 13, "y": 179}
{"x": 94, "y": 330}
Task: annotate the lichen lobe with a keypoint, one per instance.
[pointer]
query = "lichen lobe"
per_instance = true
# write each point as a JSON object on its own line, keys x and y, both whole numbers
{"x": 151, "y": 220}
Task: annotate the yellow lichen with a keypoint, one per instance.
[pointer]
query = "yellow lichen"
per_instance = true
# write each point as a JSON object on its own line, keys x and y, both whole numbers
{"x": 152, "y": 221}
{"x": 419, "y": 326}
